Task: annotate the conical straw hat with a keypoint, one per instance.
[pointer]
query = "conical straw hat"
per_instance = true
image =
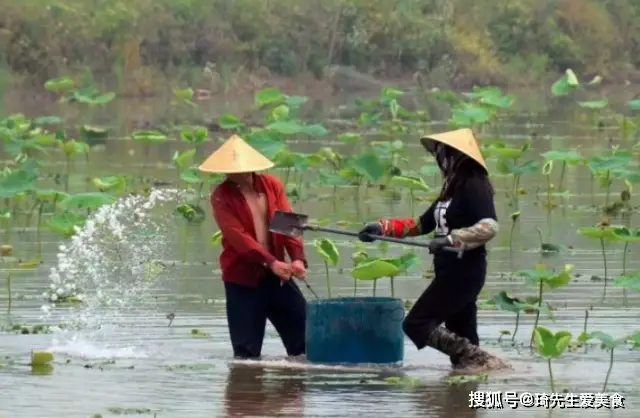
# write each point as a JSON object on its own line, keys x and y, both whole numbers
{"x": 235, "y": 156}
{"x": 461, "y": 139}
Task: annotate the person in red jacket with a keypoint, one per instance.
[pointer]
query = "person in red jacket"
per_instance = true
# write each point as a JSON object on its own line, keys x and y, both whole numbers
{"x": 257, "y": 278}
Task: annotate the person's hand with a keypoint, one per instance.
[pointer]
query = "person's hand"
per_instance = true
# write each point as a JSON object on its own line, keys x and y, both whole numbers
{"x": 436, "y": 244}
{"x": 298, "y": 269}
{"x": 365, "y": 234}
{"x": 281, "y": 269}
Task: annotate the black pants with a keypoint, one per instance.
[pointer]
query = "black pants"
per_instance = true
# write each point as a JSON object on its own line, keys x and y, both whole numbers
{"x": 249, "y": 308}
{"x": 451, "y": 298}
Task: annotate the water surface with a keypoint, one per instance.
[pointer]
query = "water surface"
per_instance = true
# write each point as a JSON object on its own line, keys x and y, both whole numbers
{"x": 136, "y": 362}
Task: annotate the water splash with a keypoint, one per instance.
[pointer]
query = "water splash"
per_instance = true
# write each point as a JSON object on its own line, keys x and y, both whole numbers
{"x": 113, "y": 265}
{"x": 303, "y": 365}
{"x": 77, "y": 345}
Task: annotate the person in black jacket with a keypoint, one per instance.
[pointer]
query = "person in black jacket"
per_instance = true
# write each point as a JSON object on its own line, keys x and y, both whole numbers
{"x": 462, "y": 216}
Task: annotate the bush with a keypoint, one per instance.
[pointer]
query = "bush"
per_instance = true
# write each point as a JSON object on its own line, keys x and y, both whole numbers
{"x": 476, "y": 40}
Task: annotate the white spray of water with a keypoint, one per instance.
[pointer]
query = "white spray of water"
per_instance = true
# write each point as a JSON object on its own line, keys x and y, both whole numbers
{"x": 113, "y": 266}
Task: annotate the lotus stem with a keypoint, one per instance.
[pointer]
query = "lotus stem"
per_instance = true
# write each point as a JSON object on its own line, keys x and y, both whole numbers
{"x": 335, "y": 199}
{"x": 366, "y": 198}
{"x": 357, "y": 198}
{"x": 30, "y": 214}
{"x": 393, "y": 292}
{"x": 516, "y": 197}
{"x": 326, "y": 271}
{"x": 624, "y": 258}
{"x": 604, "y": 258}
{"x": 7, "y": 231}
{"x": 355, "y": 287}
{"x": 549, "y": 208}
{"x": 586, "y": 320}
{"x": 540, "y": 237}
{"x": 624, "y": 272}
{"x": 593, "y": 196}
{"x": 561, "y": 181}
{"x": 511, "y": 231}
{"x": 584, "y": 328}
{"x": 535, "y": 324}
{"x": 9, "y": 295}
{"x": 375, "y": 283}
{"x": 200, "y": 190}
{"x": 551, "y": 383}
{"x": 286, "y": 177}
{"x": 515, "y": 330}
{"x": 300, "y": 177}
{"x": 606, "y": 379}
{"x": 39, "y": 231}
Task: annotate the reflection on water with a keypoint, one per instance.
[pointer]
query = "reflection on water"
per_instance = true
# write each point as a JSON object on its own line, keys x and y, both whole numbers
{"x": 254, "y": 391}
{"x": 448, "y": 401}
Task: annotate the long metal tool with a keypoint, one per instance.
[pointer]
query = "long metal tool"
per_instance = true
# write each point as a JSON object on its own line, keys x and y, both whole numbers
{"x": 309, "y": 288}
{"x": 294, "y": 224}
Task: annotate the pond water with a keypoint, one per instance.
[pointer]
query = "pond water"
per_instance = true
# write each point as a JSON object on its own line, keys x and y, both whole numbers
{"x": 136, "y": 364}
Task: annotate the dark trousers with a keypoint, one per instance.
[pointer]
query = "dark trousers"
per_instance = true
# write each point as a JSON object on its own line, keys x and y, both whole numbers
{"x": 450, "y": 299}
{"x": 249, "y": 308}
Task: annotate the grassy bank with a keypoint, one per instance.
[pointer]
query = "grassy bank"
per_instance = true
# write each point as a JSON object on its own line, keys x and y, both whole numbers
{"x": 139, "y": 45}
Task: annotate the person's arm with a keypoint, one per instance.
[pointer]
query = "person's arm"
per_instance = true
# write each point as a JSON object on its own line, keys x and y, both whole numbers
{"x": 479, "y": 201}
{"x": 293, "y": 245}
{"x": 235, "y": 234}
{"x": 409, "y": 227}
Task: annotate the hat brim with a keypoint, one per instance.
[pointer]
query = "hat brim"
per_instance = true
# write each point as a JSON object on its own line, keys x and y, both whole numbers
{"x": 232, "y": 170}
{"x": 235, "y": 156}
{"x": 430, "y": 145}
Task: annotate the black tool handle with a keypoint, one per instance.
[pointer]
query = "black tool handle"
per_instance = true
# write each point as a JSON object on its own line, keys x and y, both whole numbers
{"x": 422, "y": 244}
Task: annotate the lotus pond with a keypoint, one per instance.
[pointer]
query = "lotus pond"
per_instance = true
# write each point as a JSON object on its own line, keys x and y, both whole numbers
{"x": 111, "y": 298}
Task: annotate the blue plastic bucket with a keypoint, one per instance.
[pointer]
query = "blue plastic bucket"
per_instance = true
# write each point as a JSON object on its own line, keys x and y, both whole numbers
{"x": 355, "y": 330}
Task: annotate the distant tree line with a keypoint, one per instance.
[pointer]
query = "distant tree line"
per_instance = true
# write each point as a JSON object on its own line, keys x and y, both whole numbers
{"x": 460, "y": 41}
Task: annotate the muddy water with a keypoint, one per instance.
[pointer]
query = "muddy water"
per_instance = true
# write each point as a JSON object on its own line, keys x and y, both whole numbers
{"x": 137, "y": 364}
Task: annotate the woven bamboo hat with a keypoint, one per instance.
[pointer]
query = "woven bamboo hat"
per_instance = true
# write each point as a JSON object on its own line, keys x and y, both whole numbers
{"x": 235, "y": 156}
{"x": 461, "y": 139}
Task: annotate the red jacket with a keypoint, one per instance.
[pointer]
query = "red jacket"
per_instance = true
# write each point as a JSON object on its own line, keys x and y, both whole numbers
{"x": 243, "y": 259}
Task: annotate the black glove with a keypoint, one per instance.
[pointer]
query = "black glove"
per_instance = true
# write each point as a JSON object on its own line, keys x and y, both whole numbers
{"x": 370, "y": 229}
{"x": 436, "y": 244}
